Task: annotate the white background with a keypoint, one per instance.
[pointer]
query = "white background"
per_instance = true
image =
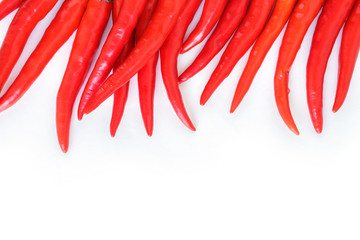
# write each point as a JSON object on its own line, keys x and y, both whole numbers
{"x": 240, "y": 176}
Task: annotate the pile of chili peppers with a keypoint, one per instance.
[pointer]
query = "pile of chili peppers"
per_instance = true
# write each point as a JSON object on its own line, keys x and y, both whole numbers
{"x": 145, "y": 30}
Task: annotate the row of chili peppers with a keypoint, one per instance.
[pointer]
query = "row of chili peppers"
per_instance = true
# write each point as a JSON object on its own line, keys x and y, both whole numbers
{"x": 144, "y": 29}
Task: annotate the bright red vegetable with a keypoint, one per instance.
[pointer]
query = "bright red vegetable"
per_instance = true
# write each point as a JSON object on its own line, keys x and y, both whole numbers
{"x": 121, "y": 95}
{"x": 86, "y": 42}
{"x": 147, "y": 75}
{"x": 27, "y": 17}
{"x": 303, "y": 15}
{"x": 276, "y": 23}
{"x": 61, "y": 28}
{"x": 229, "y": 21}
{"x": 349, "y": 53}
{"x": 210, "y": 15}
{"x": 169, "y": 53}
{"x": 119, "y": 35}
{"x": 244, "y": 37}
{"x": 7, "y": 6}
{"x": 151, "y": 41}
{"x": 327, "y": 29}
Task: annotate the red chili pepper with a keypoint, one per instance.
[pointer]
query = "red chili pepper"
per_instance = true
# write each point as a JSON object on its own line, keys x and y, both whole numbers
{"x": 210, "y": 16}
{"x": 229, "y": 21}
{"x": 169, "y": 53}
{"x": 161, "y": 24}
{"x": 121, "y": 95}
{"x": 276, "y": 23}
{"x": 86, "y": 43}
{"x": 7, "y": 6}
{"x": 244, "y": 37}
{"x": 349, "y": 52}
{"x": 147, "y": 75}
{"x": 119, "y": 35}
{"x": 303, "y": 15}
{"x": 25, "y": 20}
{"x": 61, "y": 28}
{"x": 327, "y": 29}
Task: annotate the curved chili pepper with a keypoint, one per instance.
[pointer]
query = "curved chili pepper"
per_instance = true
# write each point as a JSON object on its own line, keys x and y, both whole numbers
{"x": 229, "y": 21}
{"x": 244, "y": 37}
{"x": 160, "y": 26}
{"x": 121, "y": 95}
{"x": 86, "y": 42}
{"x": 303, "y": 15}
{"x": 276, "y": 23}
{"x": 327, "y": 29}
{"x": 27, "y": 17}
{"x": 169, "y": 53}
{"x": 349, "y": 52}
{"x": 210, "y": 16}
{"x": 7, "y": 6}
{"x": 147, "y": 75}
{"x": 119, "y": 35}
{"x": 61, "y": 28}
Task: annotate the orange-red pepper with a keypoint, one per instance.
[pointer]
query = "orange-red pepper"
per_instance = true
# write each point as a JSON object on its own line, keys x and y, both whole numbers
{"x": 61, "y": 28}
{"x": 30, "y": 13}
{"x": 276, "y": 23}
{"x": 159, "y": 28}
{"x": 349, "y": 52}
{"x": 87, "y": 41}
{"x": 327, "y": 29}
{"x": 303, "y": 15}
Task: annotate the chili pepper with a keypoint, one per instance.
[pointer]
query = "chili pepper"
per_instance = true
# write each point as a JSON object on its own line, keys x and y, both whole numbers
{"x": 147, "y": 75}
{"x": 7, "y": 6}
{"x": 160, "y": 26}
{"x": 276, "y": 23}
{"x": 303, "y": 15}
{"x": 61, "y": 28}
{"x": 211, "y": 13}
{"x": 229, "y": 21}
{"x": 327, "y": 29}
{"x": 86, "y": 42}
{"x": 349, "y": 52}
{"x": 169, "y": 53}
{"x": 25, "y": 20}
{"x": 244, "y": 37}
{"x": 121, "y": 95}
{"x": 119, "y": 35}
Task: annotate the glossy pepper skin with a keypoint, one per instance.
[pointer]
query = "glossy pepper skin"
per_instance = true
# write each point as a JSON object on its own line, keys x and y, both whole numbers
{"x": 229, "y": 21}
{"x": 119, "y": 35}
{"x": 303, "y": 15}
{"x": 210, "y": 16}
{"x": 327, "y": 29}
{"x": 275, "y": 25}
{"x": 349, "y": 53}
{"x": 121, "y": 95}
{"x": 147, "y": 75}
{"x": 244, "y": 37}
{"x": 169, "y": 54}
{"x": 151, "y": 41}
{"x": 86, "y": 43}
{"x": 61, "y": 28}
{"x": 30, "y": 13}
{"x": 7, "y": 6}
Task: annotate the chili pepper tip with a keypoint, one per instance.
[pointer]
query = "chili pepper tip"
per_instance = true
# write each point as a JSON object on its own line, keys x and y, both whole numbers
{"x": 64, "y": 147}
